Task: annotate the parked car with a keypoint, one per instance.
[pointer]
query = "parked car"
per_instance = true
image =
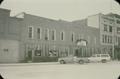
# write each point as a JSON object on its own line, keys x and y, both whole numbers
{"x": 72, "y": 59}
{"x": 99, "y": 58}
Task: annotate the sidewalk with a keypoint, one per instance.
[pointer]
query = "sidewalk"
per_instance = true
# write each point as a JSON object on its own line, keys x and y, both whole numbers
{"x": 26, "y": 64}
{"x": 46, "y": 63}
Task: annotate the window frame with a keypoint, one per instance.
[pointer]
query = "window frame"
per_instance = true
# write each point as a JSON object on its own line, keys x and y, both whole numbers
{"x": 40, "y": 34}
{"x": 105, "y": 27}
{"x": 32, "y": 35}
{"x": 46, "y": 34}
{"x": 53, "y": 34}
{"x": 73, "y": 37}
{"x": 62, "y": 33}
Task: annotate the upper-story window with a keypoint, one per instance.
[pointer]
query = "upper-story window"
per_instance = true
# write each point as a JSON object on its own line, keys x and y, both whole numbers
{"x": 118, "y": 21}
{"x": 46, "y": 34}
{"x": 53, "y": 34}
{"x": 39, "y": 31}
{"x": 118, "y": 30}
{"x": 73, "y": 37}
{"x": 110, "y": 39}
{"x": 106, "y": 39}
{"x": 110, "y": 28}
{"x": 30, "y": 32}
{"x": 103, "y": 38}
{"x": 62, "y": 36}
{"x": 105, "y": 27}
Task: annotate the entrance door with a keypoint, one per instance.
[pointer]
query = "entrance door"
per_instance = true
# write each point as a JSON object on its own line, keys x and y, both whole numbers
{"x": 117, "y": 53}
{"x": 78, "y": 52}
{"x": 30, "y": 55}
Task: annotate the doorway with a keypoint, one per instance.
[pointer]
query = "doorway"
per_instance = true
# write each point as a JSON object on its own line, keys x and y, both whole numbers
{"x": 29, "y": 55}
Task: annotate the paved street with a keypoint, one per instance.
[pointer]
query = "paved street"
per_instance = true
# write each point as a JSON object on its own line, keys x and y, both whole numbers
{"x": 109, "y": 70}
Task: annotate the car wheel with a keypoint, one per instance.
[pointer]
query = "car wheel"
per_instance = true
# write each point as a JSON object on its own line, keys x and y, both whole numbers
{"x": 62, "y": 62}
{"x": 81, "y": 62}
{"x": 104, "y": 61}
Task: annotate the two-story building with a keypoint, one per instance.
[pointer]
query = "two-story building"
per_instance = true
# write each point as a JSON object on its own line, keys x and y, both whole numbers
{"x": 27, "y": 36}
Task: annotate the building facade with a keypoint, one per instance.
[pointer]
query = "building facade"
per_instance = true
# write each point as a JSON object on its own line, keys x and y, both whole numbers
{"x": 108, "y": 26}
{"x": 27, "y": 37}
{"x": 57, "y": 38}
{"x": 9, "y": 37}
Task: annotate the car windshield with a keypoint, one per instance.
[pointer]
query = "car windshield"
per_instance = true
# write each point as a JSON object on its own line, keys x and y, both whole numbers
{"x": 93, "y": 55}
{"x": 104, "y": 55}
{"x": 98, "y": 55}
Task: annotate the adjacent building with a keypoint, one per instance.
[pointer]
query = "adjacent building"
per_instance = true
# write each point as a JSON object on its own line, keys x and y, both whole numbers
{"x": 108, "y": 26}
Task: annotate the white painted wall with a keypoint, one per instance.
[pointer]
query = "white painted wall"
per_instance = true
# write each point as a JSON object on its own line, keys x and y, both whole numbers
{"x": 93, "y": 21}
{"x": 9, "y": 51}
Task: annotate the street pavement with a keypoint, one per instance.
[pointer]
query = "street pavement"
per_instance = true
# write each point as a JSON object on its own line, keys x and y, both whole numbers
{"x": 54, "y": 70}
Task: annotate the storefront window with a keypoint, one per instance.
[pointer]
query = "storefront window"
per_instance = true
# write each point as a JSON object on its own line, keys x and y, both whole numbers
{"x": 37, "y": 52}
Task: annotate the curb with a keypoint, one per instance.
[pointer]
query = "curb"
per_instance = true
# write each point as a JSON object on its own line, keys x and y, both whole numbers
{"x": 28, "y": 64}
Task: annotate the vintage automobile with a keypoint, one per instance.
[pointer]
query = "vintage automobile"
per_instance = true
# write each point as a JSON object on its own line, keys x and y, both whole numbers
{"x": 99, "y": 58}
{"x": 72, "y": 59}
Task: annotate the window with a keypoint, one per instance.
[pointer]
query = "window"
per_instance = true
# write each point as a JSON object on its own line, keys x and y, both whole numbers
{"x": 62, "y": 35}
{"x": 110, "y": 39}
{"x": 118, "y": 30}
{"x": 118, "y": 40}
{"x": 38, "y": 52}
{"x": 67, "y": 51}
{"x": 38, "y": 33}
{"x": 103, "y": 38}
{"x": 105, "y": 27}
{"x": 110, "y": 28}
{"x": 118, "y": 21}
{"x": 47, "y": 34}
{"x": 72, "y": 37}
{"x": 109, "y": 19}
{"x": 5, "y": 50}
{"x": 53, "y": 34}
{"x": 53, "y": 52}
{"x": 30, "y": 32}
{"x": 106, "y": 39}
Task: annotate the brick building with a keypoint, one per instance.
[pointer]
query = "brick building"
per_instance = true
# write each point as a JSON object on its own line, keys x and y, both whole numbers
{"x": 109, "y": 28}
{"x": 29, "y": 36}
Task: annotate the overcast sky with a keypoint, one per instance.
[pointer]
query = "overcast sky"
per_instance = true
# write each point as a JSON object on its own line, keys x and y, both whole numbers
{"x": 62, "y": 9}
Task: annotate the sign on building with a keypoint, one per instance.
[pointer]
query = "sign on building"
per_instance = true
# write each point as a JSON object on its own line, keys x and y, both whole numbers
{"x": 81, "y": 42}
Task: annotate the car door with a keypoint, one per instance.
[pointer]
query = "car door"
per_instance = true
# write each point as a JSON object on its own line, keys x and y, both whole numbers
{"x": 69, "y": 59}
{"x": 92, "y": 58}
{"x": 98, "y": 57}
